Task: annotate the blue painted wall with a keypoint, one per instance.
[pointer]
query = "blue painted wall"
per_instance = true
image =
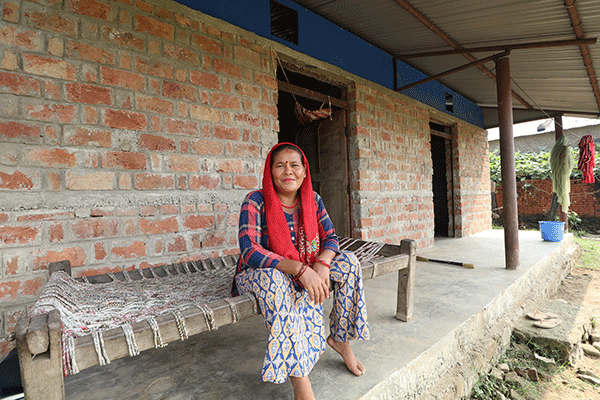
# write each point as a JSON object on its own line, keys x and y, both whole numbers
{"x": 325, "y": 41}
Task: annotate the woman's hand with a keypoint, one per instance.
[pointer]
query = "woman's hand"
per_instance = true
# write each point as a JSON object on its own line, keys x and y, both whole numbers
{"x": 323, "y": 272}
{"x": 316, "y": 286}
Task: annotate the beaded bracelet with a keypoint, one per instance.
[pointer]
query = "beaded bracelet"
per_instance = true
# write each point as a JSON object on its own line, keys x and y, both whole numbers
{"x": 302, "y": 269}
{"x": 318, "y": 260}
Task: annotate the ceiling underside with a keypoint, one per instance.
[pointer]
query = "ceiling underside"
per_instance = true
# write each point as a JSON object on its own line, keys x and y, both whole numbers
{"x": 548, "y": 80}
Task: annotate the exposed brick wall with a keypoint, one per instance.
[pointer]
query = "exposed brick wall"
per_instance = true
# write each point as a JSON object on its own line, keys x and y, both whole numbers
{"x": 131, "y": 131}
{"x": 391, "y": 167}
{"x": 535, "y": 197}
{"x": 471, "y": 180}
{"x": 129, "y": 134}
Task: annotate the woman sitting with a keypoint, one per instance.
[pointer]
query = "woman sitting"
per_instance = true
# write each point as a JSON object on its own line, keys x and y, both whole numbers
{"x": 289, "y": 258}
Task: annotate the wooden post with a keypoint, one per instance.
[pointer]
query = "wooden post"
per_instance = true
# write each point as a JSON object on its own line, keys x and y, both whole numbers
{"x": 507, "y": 162}
{"x": 41, "y": 374}
{"x": 406, "y": 281}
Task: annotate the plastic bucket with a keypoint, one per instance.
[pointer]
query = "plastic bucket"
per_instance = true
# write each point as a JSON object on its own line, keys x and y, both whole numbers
{"x": 552, "y": 231}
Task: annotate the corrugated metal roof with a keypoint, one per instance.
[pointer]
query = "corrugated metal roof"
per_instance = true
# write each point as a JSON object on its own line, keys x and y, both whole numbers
{"x": 547, "y": 78}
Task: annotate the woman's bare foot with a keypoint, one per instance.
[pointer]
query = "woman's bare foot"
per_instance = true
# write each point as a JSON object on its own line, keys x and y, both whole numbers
{"x": 344, "y": 350}
{"x": 302, "y": 388}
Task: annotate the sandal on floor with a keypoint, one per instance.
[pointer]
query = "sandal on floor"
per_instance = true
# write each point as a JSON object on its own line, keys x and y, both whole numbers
{"x": 547, "y": 323}
{"x": 541, "y": 315}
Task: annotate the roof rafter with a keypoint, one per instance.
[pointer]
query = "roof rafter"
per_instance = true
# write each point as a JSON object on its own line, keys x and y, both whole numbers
{"x": 430, "y": 25}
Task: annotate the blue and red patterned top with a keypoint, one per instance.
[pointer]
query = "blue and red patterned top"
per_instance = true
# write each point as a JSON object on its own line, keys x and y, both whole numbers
{"x": 254, "y": 240}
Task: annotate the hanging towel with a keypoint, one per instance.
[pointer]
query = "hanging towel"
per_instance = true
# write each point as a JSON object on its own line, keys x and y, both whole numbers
{"x": 587, "y": 158}
{"x": 561, "y": 165}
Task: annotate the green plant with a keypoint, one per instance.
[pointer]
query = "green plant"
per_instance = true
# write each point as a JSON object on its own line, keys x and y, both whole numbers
{"x": 573, "y": 219}
{"x": 590, "y": 252}
{"x": 536, "y": 165}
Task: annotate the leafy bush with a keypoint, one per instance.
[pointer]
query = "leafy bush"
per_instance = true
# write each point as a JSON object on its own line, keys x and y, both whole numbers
{"x": 537, "y": 165}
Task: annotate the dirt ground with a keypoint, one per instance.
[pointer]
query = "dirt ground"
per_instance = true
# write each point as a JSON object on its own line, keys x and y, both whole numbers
{"x": 560, "y": 382}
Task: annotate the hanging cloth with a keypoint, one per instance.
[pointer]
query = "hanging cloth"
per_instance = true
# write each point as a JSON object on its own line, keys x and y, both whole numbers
{"x": 587, "y": 158}
{"x": 561, "y": 165}
{"x": 304, "y": 115}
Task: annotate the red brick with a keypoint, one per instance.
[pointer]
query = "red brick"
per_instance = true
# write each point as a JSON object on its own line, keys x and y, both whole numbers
{"x": 3, "y": 217}
{"x": 81, "y": 136}
{"x": 194, "y": 222}
{"x": 155, "y": 104}
{"x": 206, "y": 147}
{"x": 11, "y": 290}
{"x": 229, "y": 166}
{"x": 125, "y": 160}
{"x": 92, "y": 8}
{"x": 10, "y": 13}
{"x": 88, "y": 94}
{"x": 162, "y": 13}
{"x": 179, "y": 53}
{"x": 18, "y": 84}
{"x": 158, "y": 226}
{"x": 134, "y": 250}
{"x": 204, "y": 181}
{"x": 266, "y": 80}
{"x": 169, "y": 209}
{"x": 18, "y": 234}
{"x": 76, "y": 255}
{"x": 227, "y": 68}
{"x": 225, "y": 101}
{"x": 156, "y": 143}
{"x": 207, "y": 44}
{"x": 95, "y": 228}
{"x": 245, "y": 182}
{"x": 122, "y": 38}
{"x": 88, "y": 52}
{"x": 247, "y": 119}
{"x": 181, "y": 127}
{"x": 205, "y": 113}
{"x": 228, "y": 133}
{"x": 154, "y": 68}
{"x": 21, "y": 131}
{"x": 20, "y": 37}
{"x": 182, "y": 163}
{"x": 154, "y": 27}
{"x": 50, "y": 112}
{"x": 142, "y": 5}
{"x": 146, "y": 181}
{"x": 177, "y": 245}
{"x": 52, "y": 157}
{"x": 125, "y": 120}
{"x": 179, "y": 91}
{"x": 18, "y": 180}
{"x": 117, "y": 77}
{"x": 51, "y": 67}
{"x": 246, "y": 55}
{"x": 89, "y": 180}
{"x": 51, "y": 22}
{"x": 213, "y": 240}
{"x": 247, "y": 90}
{"x": 204, "y": 79}
{"x": 268, "y": 109}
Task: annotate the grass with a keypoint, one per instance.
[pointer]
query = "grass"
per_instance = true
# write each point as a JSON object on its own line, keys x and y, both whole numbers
{"x": 590, "y": 252}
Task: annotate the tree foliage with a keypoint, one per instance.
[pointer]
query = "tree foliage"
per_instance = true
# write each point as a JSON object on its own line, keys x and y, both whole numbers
{"x": 537, "y": 165}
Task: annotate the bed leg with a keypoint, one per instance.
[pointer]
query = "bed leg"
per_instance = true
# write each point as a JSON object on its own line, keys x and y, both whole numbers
{"x": 406, "y": 281}
{"x": 42, "y": 374}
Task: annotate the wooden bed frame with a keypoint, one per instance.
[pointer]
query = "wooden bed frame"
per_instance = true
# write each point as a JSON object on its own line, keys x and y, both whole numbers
{"x": 39, "y": 340}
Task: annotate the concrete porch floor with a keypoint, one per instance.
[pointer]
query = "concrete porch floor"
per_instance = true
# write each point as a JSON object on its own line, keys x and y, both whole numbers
{"x": 454, "y": 309}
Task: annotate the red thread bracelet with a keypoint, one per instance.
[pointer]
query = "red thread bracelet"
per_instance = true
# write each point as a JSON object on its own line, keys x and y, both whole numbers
{"x": 302, "y": 269}
{"x": 323, "y": 262}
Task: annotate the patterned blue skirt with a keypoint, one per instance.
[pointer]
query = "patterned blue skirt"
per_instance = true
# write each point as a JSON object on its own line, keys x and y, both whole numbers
{"x": 296, "y": 329}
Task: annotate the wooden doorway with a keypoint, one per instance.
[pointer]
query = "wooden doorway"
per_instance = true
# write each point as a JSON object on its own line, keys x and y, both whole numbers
{"x": 323, "y": 141}
{"x": 442, "y": 179}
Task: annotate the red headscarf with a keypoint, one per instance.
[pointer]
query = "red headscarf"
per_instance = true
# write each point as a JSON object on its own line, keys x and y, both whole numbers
{"x": 280, "y": 239}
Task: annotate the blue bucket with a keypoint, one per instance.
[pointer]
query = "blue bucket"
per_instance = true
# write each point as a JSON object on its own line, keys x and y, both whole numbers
{"x": 552, "y": 231}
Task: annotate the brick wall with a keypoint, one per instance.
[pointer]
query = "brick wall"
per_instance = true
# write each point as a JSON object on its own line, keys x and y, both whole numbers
{"x": 471, "y": 180}
{"x": 535, "y": 197}
{"x": 129, "y": 134}
{"x": 391, "y": 167}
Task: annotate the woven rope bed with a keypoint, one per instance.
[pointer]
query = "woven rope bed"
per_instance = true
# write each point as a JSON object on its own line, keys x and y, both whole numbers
{"x": 99, "y": 318}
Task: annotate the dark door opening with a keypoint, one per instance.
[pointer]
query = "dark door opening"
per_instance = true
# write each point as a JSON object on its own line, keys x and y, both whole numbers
{"x": 323, "y": 141}
{"x": 442, "y": 190}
